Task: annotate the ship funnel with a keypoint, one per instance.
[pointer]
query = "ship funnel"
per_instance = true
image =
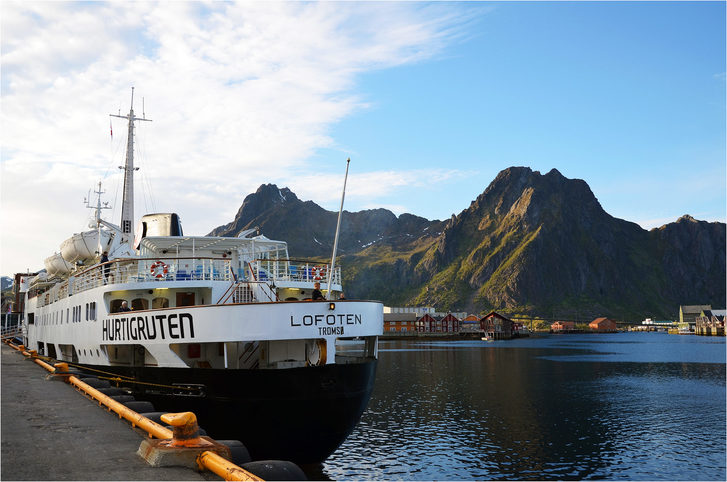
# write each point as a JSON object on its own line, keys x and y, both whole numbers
{"x": 159, "y": 224}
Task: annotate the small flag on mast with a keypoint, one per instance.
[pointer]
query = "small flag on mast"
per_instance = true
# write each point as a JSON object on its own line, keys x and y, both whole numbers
{"x": 112, "y": 129}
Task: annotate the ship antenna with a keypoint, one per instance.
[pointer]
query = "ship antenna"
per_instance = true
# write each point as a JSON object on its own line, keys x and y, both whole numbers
{"x": 338, "y": 229}
{"x": 98, "y": 207}
{"x": 127, "y": 205}
{"x": 97, "y": 218}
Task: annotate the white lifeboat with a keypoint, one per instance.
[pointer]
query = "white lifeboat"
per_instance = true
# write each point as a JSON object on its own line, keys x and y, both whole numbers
{"x": 56, "y": 265}
{"x": 84, "y": 246}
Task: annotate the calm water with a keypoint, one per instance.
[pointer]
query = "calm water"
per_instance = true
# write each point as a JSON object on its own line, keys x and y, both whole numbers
{"x": 635, "y": 406}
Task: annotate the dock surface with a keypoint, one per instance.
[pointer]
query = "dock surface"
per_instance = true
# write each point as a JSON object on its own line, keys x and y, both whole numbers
{"x": 49, "y": 431}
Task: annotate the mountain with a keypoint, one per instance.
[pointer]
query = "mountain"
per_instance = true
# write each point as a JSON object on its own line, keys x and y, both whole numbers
{"x": 6, "y": 283}
{"x": 532, "y": 244}
{"x": 309, "y": 229}
{"x": 543, "y": 244}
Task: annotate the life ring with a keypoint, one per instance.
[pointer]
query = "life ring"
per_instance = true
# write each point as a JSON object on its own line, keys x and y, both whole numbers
{"x": 315, "y": 352}
{"x": 319, "y": 272}
{"x": 159, "y": 270}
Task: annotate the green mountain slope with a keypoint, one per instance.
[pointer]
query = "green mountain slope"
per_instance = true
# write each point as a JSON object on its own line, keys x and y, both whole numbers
{"x": 529, "y": 244}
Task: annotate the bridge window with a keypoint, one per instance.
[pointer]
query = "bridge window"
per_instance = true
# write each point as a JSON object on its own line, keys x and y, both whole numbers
{"x": 116, "y": 305}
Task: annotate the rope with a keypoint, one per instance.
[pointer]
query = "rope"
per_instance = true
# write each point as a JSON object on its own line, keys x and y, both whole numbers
{"x": 174, "y": 387}
{"x": 115, "y": 377}
{"x": 82, "y": 367}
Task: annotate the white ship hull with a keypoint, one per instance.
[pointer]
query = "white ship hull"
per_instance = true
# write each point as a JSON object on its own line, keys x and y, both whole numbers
{"x": 65, "y": 322}
{"x": 228, "y": 340}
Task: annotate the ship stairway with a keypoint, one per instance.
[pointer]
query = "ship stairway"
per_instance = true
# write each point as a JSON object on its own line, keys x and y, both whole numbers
{"x": 238, "y": 293}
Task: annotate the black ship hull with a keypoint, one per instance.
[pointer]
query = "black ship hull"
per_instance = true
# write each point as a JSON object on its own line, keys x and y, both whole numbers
{"x": 297, "y": 414}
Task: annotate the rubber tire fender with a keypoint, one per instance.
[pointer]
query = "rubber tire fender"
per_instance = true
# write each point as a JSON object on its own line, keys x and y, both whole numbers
{"x": 238, "y": 452}
{"x": 96, "y": 382}
{"x": 139, "y": 406}
{"x": 113, "y": 391}
{"x": 154, "y": 416}
{"x": 275, "y": 470}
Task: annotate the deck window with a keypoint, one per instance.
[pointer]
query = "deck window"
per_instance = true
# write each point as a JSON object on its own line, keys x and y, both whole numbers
{"x": 185, "y": 299}
{"x": 139, "y": 304}
{"x": 116, "y": 305}
{"x": 160, "y": 303}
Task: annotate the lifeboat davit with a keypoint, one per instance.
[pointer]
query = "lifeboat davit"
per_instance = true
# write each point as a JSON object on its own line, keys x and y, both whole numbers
{"x": 56, "y": 265}
{"x": 82, "y": 247}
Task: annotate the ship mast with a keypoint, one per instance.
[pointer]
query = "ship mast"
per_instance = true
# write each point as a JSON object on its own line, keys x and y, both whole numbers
{"x": 127, "y": 205}
{"x": 338, "y": 229}
{"x": 98, "y": 207}
{"x": 97, "y": 217}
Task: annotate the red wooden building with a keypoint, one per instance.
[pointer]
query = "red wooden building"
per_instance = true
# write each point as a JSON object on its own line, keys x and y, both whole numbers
{"x": 496, "y": 326}
{"x": 399, "y": 322}
{"x": 563, "y": 326}
{"x": 426, "y": 323}
{"x": 603, "y": 325}
{"x": 450, "y": 324}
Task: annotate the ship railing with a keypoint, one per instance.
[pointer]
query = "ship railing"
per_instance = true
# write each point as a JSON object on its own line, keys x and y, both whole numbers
{"x": 184, "y": 269}
{"x": 52, "y": 294}
{"x": 151, "y": 269}
{"x": 11, "y": 331}
{"x": 294, "y": 270}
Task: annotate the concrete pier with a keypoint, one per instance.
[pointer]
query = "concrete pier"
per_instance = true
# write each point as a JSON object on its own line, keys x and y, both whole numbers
{"x": 52, "y": 432}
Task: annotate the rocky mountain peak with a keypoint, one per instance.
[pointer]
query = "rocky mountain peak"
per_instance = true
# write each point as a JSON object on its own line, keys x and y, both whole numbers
{"x": 531, "y": 243}
{"x": 686, "y": 219}
{"x": 309, "y": 229}
{"x": 266, "y": 198}
{"x": 271, "y": 194}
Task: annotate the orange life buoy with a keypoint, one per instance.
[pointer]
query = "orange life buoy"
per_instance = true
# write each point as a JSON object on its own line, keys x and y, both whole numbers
{"x": 319, "y": 272}
{"x": 159, "y": 269}
{"x": 315, "y": 352}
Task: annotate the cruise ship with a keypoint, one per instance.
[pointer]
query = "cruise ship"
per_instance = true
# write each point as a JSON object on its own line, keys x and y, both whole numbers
{"x": 226, "y": 327}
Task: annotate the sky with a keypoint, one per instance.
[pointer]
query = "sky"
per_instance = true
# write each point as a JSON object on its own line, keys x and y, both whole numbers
{"x": 430, "y": 100}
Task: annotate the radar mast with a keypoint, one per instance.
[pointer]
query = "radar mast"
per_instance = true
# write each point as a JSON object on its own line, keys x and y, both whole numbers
{"x": 127, "y": 205}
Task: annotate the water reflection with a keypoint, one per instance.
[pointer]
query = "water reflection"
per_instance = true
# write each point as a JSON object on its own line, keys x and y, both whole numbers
{"x": 559, "y": 407}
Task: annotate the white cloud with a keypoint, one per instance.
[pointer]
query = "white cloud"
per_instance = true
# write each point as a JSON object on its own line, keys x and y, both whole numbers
{"x": 239, "y": 93}
{"x": 361, "y": 188}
